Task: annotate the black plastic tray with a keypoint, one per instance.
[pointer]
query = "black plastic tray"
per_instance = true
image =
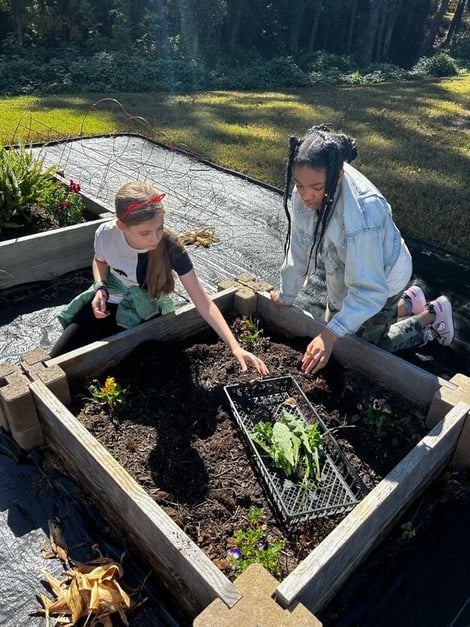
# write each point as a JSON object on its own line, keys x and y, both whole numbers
{"x": 340, "y": 488}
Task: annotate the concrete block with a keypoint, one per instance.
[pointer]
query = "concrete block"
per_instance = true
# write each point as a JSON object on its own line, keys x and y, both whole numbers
{"x": 34, "y": 356}
{"x": 445, "y": 399}
{"x": 18, "y": 404}
{"x": 224, "y": 285}
{"x": 6, "y": 370}
{"x": 53, "y": 377}
{"x": 29, "y": 438}
{"x": 245, "y": 301}
{"x": 257, "y": 607}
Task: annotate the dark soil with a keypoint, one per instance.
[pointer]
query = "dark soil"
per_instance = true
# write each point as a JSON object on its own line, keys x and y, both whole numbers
{"x": 178, "y": 438}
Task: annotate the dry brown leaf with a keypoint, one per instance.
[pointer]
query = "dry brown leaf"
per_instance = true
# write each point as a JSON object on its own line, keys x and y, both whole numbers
{"x": 95, "y": 593}
{"x": 201, "y": 237}
{"x": 78, "y": 606}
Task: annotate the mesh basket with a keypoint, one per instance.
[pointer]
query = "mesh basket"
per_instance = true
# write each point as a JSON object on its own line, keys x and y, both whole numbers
{"x": 339, "y": 489}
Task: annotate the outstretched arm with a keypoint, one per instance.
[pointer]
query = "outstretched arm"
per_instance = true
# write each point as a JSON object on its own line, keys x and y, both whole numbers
{"x": 213, "y": 316}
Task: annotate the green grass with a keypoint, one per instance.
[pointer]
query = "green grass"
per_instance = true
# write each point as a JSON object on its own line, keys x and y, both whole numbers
{"x": 413, "y": 138}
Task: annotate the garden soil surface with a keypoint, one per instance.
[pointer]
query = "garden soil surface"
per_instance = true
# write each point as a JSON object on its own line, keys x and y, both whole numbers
{"x": 177, "y": 437}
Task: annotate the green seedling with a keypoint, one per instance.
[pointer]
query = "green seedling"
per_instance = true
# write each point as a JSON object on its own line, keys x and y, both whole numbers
{"x": 247, "y": 330}
{"x": 111, "y": 394}
{"x": 293, "y": 445}
{"x": 252, "y": 546}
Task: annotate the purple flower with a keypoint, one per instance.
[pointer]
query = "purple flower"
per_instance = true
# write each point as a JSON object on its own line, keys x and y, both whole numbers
{"x": 263, "y": 544}
{"x": 379, "y": 402}
{"x": 234, "y": 554}
{"x": 359, "y": 407}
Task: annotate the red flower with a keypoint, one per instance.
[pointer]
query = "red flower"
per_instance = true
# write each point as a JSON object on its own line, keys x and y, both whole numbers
{"x": 74, "y": 187}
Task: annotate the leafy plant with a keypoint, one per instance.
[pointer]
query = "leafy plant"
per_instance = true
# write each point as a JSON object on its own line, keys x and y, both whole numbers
{"x": 377, "y": 415}
{"x": 293, "y": 445}
{"x": 65, "y": 205}
{"x": 23, "y": 182}
{"x": 111, "y": 394}
{"x": 247, "y": 331}
{"x": 407, "y": 530}
{"x": 252, "y": 546}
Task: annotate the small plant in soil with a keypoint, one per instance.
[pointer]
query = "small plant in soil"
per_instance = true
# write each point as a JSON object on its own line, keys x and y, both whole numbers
{"x": 110, "y": 395}
{"x": 377, "y": 415}
{"x": 24, "y": 181}
{"x": 65, "y": 205}
{"x": 246, "y": 330}
{"x": 292, "y": 444}
{"x": 251, "y": 546}
{"x": 407, "y": 531}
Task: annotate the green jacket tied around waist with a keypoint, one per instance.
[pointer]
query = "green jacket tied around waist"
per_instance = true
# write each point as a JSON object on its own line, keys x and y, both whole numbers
{"x": 135, "y": 307}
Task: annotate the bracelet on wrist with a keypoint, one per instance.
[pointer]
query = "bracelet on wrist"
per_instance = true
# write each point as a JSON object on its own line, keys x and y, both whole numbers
{"x": 100, "y": 286}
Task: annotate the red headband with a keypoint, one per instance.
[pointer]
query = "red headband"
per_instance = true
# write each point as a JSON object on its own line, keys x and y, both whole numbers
{"x": 137, "y": 205}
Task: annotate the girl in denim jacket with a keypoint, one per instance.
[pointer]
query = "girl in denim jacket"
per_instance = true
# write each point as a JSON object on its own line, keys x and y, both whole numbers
{"x": 339, "y": 218}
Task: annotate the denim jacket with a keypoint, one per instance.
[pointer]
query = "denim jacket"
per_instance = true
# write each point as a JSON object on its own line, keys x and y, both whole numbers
{"x": 360, "y": 247}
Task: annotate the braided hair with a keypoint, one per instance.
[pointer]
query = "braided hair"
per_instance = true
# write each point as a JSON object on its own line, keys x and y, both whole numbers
{"x": 319, "y": 148}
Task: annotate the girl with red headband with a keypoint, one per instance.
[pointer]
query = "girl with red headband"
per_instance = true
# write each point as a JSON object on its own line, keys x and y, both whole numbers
{"x": 134, "y": 268}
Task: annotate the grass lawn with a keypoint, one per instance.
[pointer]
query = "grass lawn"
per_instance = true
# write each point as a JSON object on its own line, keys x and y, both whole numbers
{"x": 413, "y": 138}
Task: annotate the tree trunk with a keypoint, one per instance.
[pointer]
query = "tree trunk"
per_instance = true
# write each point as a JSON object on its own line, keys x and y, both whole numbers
{"x": 295, "y": 27}
{"x": 371, "y": 35}
{"x": 317, "y": 9}
{"x": 352, "y": 21}
{"x": 17, "y": 8}
{"x": 436, "y": 22}
{"x": 455, "y": 24}
{"x": 235, "y": 28}
{"x": 394, "y": 10}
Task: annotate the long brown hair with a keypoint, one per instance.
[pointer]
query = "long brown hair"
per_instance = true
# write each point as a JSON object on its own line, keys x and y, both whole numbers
{"x": 160, "y": 275}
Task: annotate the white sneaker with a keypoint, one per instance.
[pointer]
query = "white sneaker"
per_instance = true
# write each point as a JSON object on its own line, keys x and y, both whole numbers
{"x": 418, "y": 300}
{"x": 442, "y": 328}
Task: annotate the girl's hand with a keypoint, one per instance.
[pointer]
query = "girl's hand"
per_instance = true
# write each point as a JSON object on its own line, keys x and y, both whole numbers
{"x": 99, "y": 305}
{"x": 244, "y": 358}
{"x": 318, "y": 352}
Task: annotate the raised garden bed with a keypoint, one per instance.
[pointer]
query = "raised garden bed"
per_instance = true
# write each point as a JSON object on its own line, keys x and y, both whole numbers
{"x": 187, "y": 570}
{"x": 178, "y": 439}
{"x": 51, "y": 253}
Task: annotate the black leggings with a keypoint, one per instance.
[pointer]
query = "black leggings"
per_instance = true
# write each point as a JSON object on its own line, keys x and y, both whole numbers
{"x": 85, "y": 328}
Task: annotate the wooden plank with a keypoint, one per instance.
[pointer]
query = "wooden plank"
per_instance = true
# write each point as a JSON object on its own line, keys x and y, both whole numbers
{"x": 193, "y": 580}
{"x": 92, "y": 359}
{"x": 394, "y": 373}
{"x": 320, "y": 575}
{"x": 47, "y": 255}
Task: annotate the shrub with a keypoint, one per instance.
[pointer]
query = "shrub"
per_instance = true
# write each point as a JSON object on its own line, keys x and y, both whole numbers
{"x": 439, "y": 64}
{"x": 23, "y": 181}
{"x": 284, "y": 72}
{"x": 461, "y": 46}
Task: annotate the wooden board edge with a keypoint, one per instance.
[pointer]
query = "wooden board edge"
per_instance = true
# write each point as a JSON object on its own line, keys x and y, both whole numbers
{"x": 184, "y": 567}
{"x": 185, "y": 321}
{"x": 315, "y": 581}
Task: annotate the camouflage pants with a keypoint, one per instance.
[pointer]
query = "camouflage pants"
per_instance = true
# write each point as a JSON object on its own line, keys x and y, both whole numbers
{"x": 386, "y": 330}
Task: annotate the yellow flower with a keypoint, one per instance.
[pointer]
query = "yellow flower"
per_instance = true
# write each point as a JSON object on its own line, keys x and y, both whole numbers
{"x": 109, "y": 386}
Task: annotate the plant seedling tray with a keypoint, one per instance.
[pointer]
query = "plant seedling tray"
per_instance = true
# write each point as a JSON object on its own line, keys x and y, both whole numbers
{"x": 340, "y": 488}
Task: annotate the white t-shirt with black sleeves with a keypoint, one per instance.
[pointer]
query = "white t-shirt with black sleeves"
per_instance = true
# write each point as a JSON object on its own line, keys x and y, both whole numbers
{"x": 128, "y": 264}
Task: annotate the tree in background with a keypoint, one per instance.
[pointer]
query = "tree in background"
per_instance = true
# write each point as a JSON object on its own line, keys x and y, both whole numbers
{"x": 206, "y": 31}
